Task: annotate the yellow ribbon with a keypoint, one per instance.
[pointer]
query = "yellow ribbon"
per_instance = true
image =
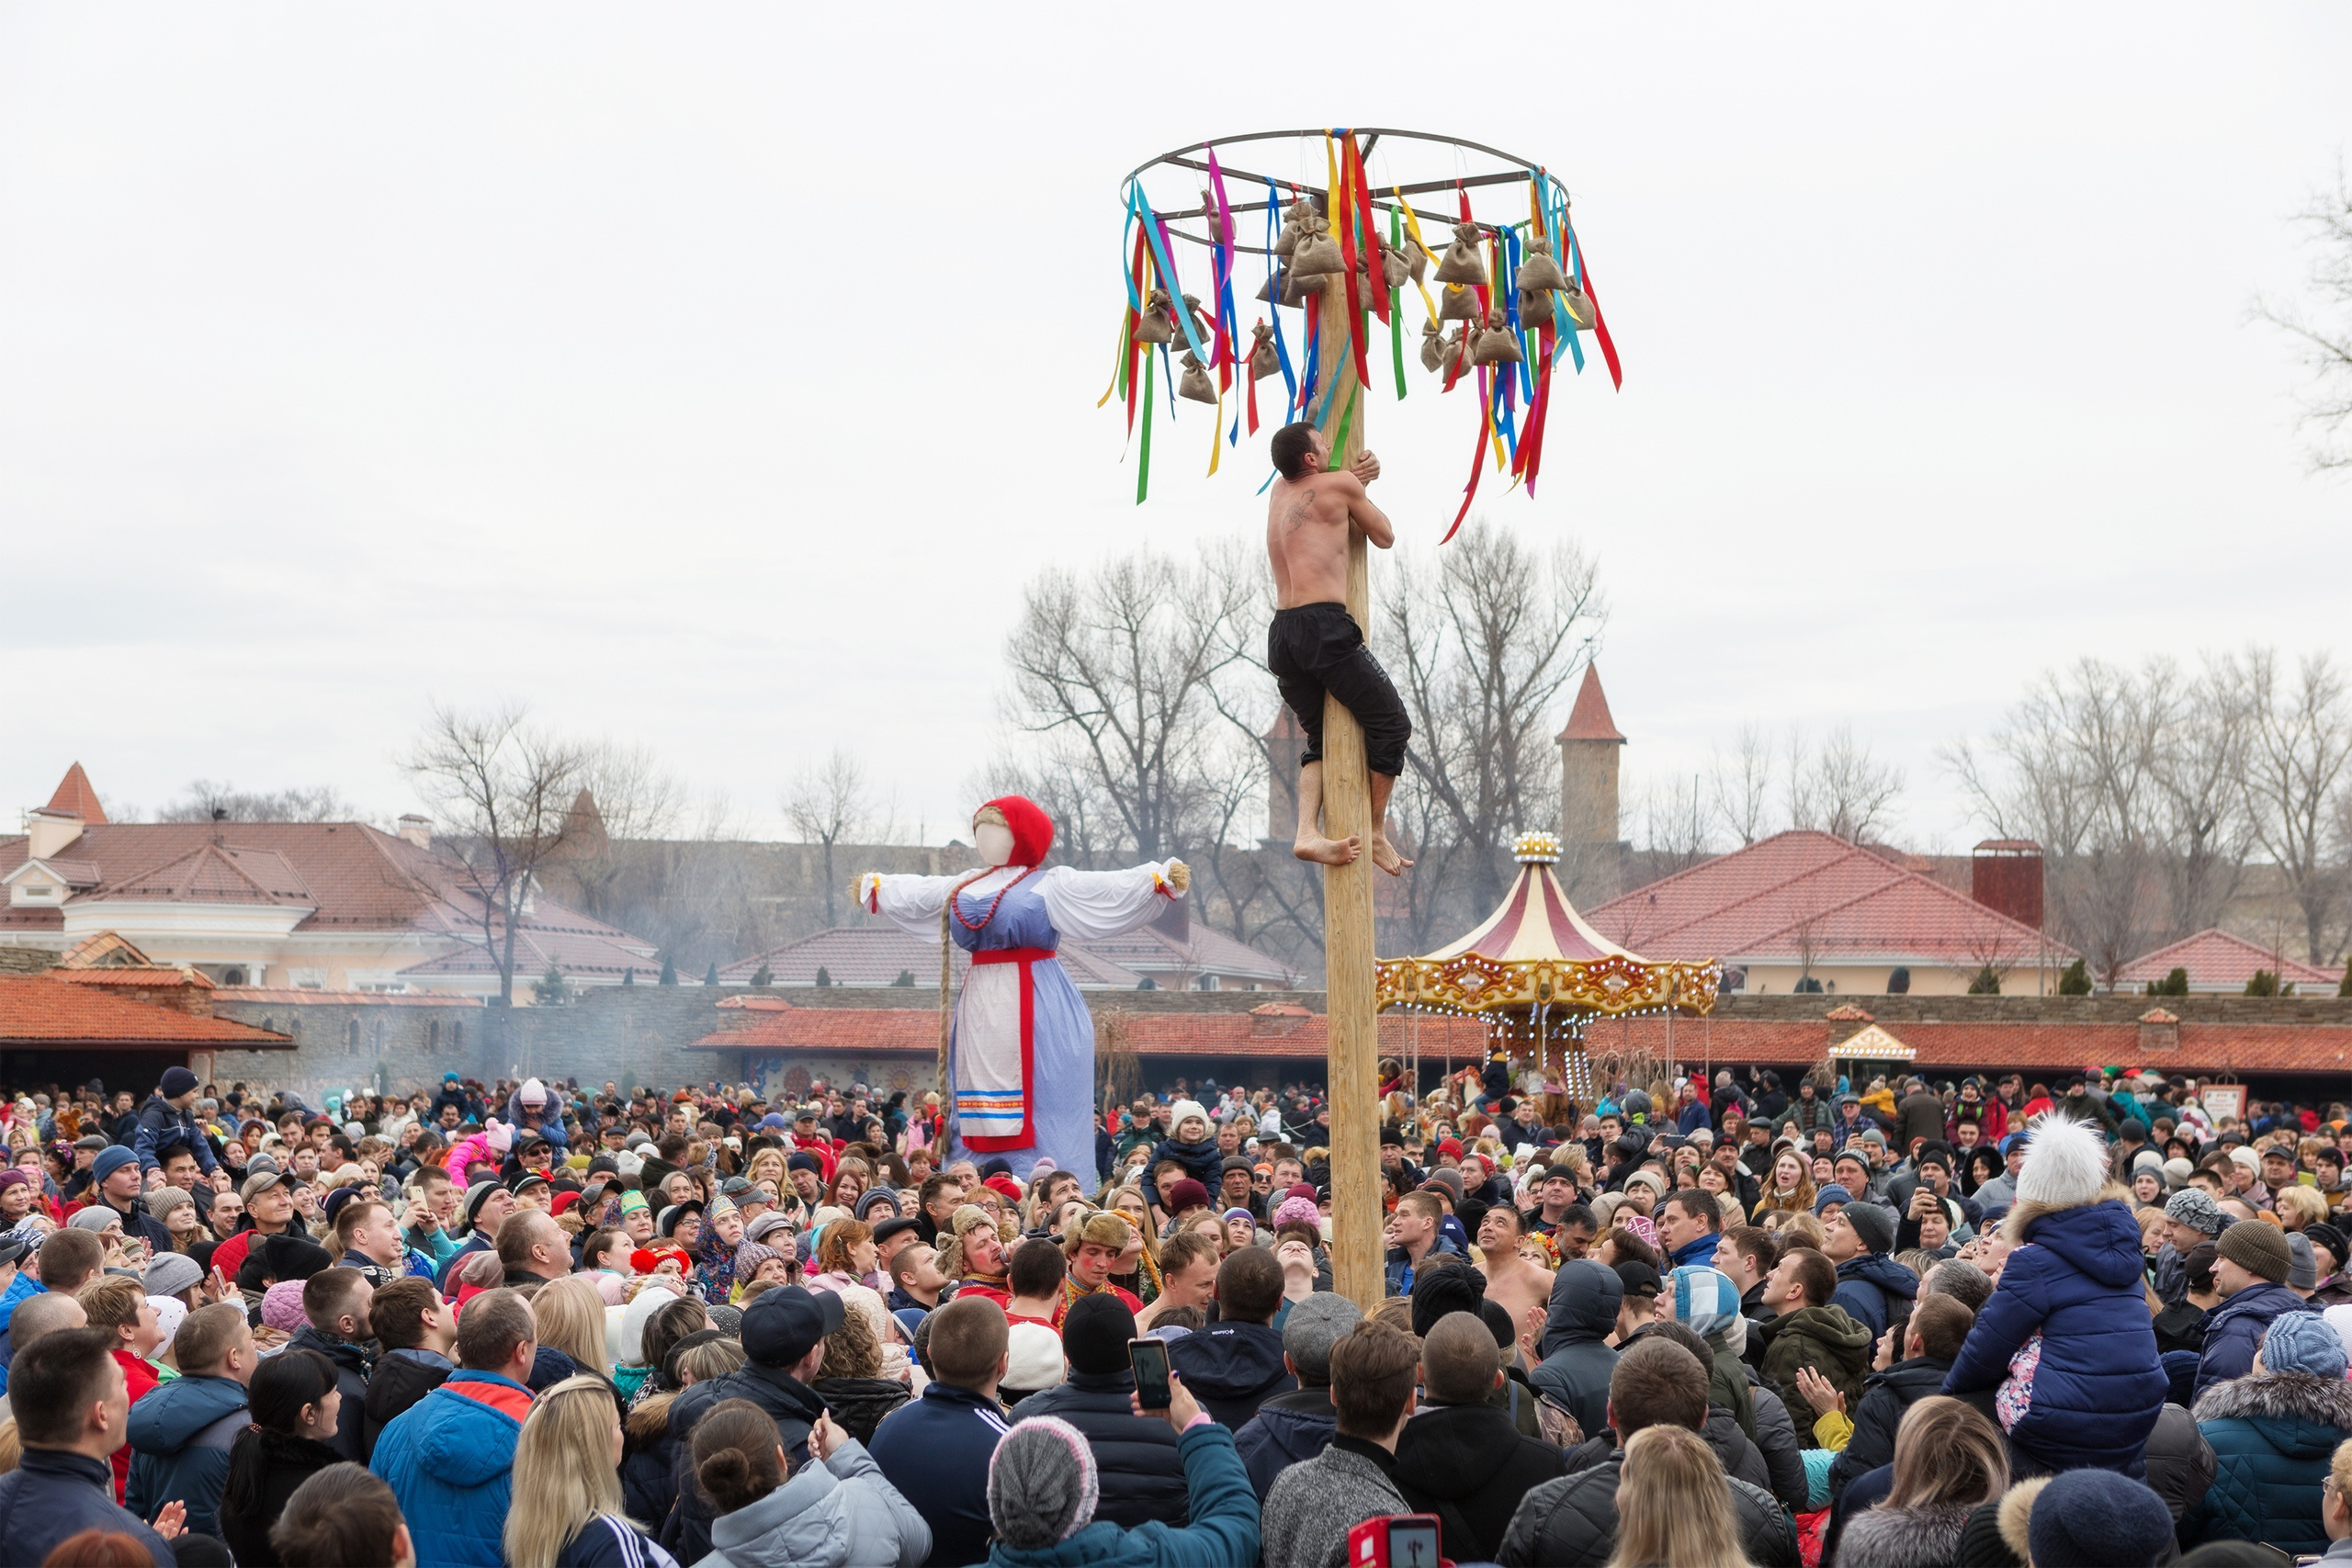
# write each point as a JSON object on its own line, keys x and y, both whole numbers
{"x": 1413, "y": 227}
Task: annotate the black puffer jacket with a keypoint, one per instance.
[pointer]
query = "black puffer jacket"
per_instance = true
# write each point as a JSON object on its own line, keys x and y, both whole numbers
{"x": 1287, "y": 1428}
{"x": 401, "y": 1378}
{"x": 1469, "y": 1465}
{"x": 858, "y": 1404}
{"x": 1140, "y": 1475}
{"x": 1776, "y": 1437}
{"x": 1741, "y": 1460}
{"x": 1885, "y": 1396}
{"x": 649, "y": 1465}
{"x": 1577, "y": 1359}
{"x": 1572, "y": 1522}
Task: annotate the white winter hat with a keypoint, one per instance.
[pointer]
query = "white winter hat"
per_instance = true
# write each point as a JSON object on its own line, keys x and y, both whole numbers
{"x": 533, "y": 1092}
{"x": 1178, "y": 1112}
{"x": 2065, "y": 1164}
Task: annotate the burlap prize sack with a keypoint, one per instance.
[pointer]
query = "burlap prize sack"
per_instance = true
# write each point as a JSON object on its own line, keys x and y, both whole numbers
{"x": 1432, "y": 346}
{"x": 1395, "y": 270}
{"x": 1318, "y": 252}
{"x": 1496, "y": 344}
{"x": 1461, "y": 263}
{"x": 1416, "y": 258}
{"x": 1580, "y": 306}
{"x": 1155, "y": 325}
{"x": 1456, "y": 303}
{"x": 1538, "y": 273}
{"x": 1196, "y": 384}
{"x": 1263, "y": 361}
{"x": 1294, "y": 223}
{"x": 1534, "y": 310}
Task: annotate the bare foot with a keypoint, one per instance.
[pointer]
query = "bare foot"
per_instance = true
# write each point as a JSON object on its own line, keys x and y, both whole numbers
{"x": 1384, "y": 856}
{"x": 1328, "y": 851}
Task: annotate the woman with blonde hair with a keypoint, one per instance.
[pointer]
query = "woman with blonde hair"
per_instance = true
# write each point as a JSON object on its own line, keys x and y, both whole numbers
{"x": 567, "y": 1483}
{"x": 1674, "y": 1508}
{"x": 1949, "y": 1460}
{"x": 1791, "y": 1188}
{"x": 845, "y": 1255}
{"x": 768, "y": 1165}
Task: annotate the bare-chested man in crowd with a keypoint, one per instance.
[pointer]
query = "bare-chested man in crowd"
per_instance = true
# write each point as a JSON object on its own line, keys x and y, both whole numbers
{"x": 1315, "y": 646}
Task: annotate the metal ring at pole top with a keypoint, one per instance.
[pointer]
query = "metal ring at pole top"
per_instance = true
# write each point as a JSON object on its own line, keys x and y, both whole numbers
{"x": 1502, "y": 169}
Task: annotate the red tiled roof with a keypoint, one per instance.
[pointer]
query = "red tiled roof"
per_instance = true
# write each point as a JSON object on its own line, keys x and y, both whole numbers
{"x": 215, "y": 873}
{"x": 915, "y": 1031}
{"x": 2217, "y": 961}
{"x": 1974, "y": 1045}
{"x": 140, "y": 977}
{"x": 75, "y": 798}
{"x": 1589, "y": 720}
{"x": 1756, "y": 903}
{"x": 878, "y": 955}
{"x": 39, "y": 1010}
{"x": 572, "y": 943}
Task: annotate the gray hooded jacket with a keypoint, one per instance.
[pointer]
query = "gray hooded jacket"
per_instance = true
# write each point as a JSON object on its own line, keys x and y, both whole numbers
{"x": 841, "y": 1513}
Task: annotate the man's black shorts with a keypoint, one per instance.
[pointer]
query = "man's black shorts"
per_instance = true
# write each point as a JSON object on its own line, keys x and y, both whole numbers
{"x": 1315, "y": 648}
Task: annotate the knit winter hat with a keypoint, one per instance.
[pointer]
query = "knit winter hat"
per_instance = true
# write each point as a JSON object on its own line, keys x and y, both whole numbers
{"x": 1186, "y": 1194}
{"x": 1832, "y": 1193}
{"x": 2194, "y": 1207}
{"x": 2303, "y": 1269}
{"x": 2303, "y": 1342}
{"x": 1043, "y": 1486}
{"x": 171, "y": 1273}
{"x": 1095, "y": 1333}
{"x": 282, "y": 1306}
{"x": 1182, "y": 1110}
{"x": 1874, "y": 1223}
{"x": 1439, "y": 1292}
{"x": 2258, "y": 1247}
{"x": 111, "y": 1158}
{"x": 1703, "y": 1298}
{"x": 1034, "y": 1357}
{"x": 2065, "y": 1166}
{"x": 2087, "y": 1518}
{"x": 1291, "y": 1209}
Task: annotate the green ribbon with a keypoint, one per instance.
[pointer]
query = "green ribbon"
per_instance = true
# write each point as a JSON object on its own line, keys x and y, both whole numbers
{"x": 1143, "y": 462}
{"x": 1397, "y": 306}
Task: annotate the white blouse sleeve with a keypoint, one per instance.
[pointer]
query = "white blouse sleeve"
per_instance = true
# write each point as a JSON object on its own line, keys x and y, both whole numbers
{"x": 1096, "y": 904}
{"x": 910, "y": 903}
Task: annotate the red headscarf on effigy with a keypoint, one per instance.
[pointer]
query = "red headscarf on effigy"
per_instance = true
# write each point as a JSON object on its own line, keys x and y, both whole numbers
{"x": 1033, "y": 830}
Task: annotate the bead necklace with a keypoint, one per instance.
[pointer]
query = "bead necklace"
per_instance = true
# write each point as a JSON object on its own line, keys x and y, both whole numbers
{"x": 982, "y": 923}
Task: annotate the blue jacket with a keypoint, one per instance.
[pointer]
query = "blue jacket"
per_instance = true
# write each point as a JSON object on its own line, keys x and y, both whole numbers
{"x": 1401, "y": 1268}
{"x": 1201, "y": 1161}
{"x": 549, "y": 1125}
{"x": 1287, "y": 1428}
{"x": 21, "y": 1287}
{"x": 606, "y": 1542}
{"x": 1224, "y": 1528}
{"x": 53, "y": 1495}
{"x": 2234, "y": 1331}
{"x": 2073, "y": 1299}
{"x": 2272, "y": 1437}
{"x": 1698, "y": 1250}
{"x": 935, "y": 1451}
{"x": 1868, "y": 1288}
{"x": 160, "y": 1122}
{"x": 180, "y": 1436}
{"x": 449, "y": 1460}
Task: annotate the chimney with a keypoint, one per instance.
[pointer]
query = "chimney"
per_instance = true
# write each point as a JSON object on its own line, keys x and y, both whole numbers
{"x": 48, "y": 831}
{"x": 417, "y": 830}
{"x": 2005, "y": 875}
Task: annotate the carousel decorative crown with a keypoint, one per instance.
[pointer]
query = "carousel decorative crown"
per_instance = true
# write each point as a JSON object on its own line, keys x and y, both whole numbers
{"x": 1536, "y": 849}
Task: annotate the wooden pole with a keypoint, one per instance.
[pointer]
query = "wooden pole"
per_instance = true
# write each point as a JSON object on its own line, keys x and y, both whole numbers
{"x": 1357, "y": 1254}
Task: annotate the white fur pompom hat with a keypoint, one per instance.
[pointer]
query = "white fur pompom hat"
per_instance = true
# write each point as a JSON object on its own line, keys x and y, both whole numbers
{"x": 2065, "y": 1163}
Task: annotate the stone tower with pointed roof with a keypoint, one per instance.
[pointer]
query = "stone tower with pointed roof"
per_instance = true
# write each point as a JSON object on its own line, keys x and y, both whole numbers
{"x": 1592, "y": 853}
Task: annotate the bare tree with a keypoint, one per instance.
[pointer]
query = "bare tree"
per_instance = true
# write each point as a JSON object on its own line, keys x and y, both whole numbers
{"x": 205, "y": 801}
{"x": 1677, "y": 825}
{"x": 2324, "y": 342}
{"x": 1118, "y": 669}
{"x": 2199, "y": 773}
{"x": 829, "y": 803}
{"x": 2296, "y": 767}
{"x": 1483, "y": 640}
{"x": 1740, "y": 785}
{"x": 1838, "y": 787}
{"x": 503, "y": 791}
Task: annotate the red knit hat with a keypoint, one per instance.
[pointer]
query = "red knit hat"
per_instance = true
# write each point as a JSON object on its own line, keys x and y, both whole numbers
{"x": 1004, "y": 1187}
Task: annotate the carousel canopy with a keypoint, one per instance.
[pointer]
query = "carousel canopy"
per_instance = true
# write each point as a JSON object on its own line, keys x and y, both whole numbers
{"x": 1535, "y": 951}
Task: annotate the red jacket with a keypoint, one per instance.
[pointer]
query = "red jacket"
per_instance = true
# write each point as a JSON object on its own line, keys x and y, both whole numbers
{"x": 140, "y": 1379}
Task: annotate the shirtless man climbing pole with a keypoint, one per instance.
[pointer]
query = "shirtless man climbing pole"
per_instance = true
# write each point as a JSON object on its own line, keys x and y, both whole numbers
{"x": 1315, "y": 646}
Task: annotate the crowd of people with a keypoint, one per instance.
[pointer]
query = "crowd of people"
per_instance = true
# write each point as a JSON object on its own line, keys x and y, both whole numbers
{"x": 1704, "y": 1322}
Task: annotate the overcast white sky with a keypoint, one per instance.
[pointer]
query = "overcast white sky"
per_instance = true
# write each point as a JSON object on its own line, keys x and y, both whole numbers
{"x": 714, "y": 377}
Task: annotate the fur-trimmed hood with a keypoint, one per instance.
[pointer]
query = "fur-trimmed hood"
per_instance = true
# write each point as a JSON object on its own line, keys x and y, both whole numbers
{"x": 2017, "y": 1515}
{"x": 2324, "y": 1404}
{"x": 1903, "y": 1537}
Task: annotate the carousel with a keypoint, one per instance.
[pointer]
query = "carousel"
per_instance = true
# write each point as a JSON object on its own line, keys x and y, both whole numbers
{"x": 1538, "y": 975}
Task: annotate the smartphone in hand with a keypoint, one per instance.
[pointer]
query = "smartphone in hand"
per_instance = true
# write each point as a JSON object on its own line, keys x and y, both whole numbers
{"x": 1149, "y": 1358}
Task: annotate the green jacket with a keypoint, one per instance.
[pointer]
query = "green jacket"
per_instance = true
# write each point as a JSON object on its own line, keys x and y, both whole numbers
{"x": 1822, "y": 1337}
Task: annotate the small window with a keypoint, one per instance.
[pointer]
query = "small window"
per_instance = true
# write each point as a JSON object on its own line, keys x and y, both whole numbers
{"x": 40, "y": 890}
{"x": 351, "y": 1035}
{"x": 433, "y": 1035}
{"x": 457, "y": 1033}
